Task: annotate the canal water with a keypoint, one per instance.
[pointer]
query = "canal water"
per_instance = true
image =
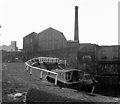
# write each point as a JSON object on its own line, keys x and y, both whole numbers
{"x": 108, "y": 85}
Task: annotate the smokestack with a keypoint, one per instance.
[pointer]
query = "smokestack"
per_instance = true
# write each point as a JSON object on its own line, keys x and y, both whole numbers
{"x": 76, "y": 31}
{"x": 118, "y": 28}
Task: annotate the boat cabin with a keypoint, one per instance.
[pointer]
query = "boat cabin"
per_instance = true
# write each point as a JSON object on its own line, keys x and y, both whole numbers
{"x": 71, "y": 75}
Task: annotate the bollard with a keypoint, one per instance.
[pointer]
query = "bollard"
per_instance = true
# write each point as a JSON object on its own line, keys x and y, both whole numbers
{"x": 56, "y": 80}
{"x": 41, "y": 72}
{"x": 93, "y": 88}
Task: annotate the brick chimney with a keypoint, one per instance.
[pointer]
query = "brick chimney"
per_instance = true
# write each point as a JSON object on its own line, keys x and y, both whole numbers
{"x": 76, "y": 31}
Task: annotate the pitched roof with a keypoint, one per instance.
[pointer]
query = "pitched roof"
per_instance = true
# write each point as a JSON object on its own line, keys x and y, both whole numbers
{"x": 32, "y": 33}
{"x": 51, "y": 29}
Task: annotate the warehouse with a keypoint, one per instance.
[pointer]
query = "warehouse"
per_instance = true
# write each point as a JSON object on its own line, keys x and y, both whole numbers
{"x": 30, "y": 43}
{"x": 51, "y": 39}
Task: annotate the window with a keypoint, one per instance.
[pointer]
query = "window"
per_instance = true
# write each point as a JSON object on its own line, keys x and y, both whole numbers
{"x": 68, "y": 76}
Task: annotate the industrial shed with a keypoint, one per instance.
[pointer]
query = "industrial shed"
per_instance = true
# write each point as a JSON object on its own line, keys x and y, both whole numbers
{"x": 51, "y": 39}
{"x": 30, "y": 43}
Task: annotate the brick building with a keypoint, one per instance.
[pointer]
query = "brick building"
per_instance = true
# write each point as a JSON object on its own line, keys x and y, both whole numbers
{"x": 108, "y": 53}
{"x": 11, "y": 48}
{"x": 30, "y": 43}
{"x": 51, "y": 39}
{"x": 108, "y": 58}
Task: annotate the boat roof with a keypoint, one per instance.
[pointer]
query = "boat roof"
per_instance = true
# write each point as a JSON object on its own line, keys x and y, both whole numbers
{"x": 65, "y": 70}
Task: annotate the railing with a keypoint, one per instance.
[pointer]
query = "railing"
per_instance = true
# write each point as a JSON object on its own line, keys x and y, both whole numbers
{"x": 29, "y": 67}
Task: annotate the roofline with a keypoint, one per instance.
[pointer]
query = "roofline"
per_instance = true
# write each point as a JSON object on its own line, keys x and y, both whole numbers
{"x": 110, "y": 46}
{"x": 30, "y": 34}
{"x": 55, "y": 30}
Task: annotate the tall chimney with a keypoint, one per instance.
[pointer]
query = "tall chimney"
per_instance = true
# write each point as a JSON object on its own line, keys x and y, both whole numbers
{"x": 118, "y": 28}
{"x": 76, "y": 31}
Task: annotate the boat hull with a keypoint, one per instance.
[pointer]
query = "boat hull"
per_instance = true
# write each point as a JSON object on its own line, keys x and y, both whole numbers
{"x": 82, "y": 85}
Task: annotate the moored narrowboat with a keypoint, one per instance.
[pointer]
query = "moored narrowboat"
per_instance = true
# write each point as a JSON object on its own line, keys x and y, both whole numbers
{"x": 73, "y": 78}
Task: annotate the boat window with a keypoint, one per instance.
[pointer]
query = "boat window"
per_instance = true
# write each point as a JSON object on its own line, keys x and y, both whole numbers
{"x": 75, "y": 76}
{"x": 67, "y": 77}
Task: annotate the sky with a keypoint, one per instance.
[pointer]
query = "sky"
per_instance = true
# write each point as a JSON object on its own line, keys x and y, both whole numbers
{"x": 98, "y": 19}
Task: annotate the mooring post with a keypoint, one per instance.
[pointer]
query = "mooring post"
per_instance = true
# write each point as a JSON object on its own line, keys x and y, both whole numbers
{"x": 30, "y": 71}
{"x": 55, "y": 79}
{"x": 41, "y": 72}
{"x": 93, "y": 88}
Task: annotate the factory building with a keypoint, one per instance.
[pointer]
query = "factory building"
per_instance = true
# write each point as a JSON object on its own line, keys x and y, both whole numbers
{"x": 30, "y": 43}
{"x": 109, "y": 59}
{"x": 108, "y": 53}
{"x": 72, "y": 43}
{"x": 51, "y": 39}
{"x": 87, "y": 50}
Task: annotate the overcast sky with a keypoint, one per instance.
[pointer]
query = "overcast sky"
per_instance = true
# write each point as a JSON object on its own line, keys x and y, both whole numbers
{"x": 98, "y": 19}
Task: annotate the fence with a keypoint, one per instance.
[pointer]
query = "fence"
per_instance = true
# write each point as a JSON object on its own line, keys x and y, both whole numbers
{"x": 29, "y": 66}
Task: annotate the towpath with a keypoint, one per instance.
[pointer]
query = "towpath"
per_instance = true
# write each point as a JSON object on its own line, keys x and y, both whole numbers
{"x": 15, "y": 78}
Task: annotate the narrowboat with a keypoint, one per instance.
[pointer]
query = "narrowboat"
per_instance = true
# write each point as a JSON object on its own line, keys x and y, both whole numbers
{"x": 73, "y": 78}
